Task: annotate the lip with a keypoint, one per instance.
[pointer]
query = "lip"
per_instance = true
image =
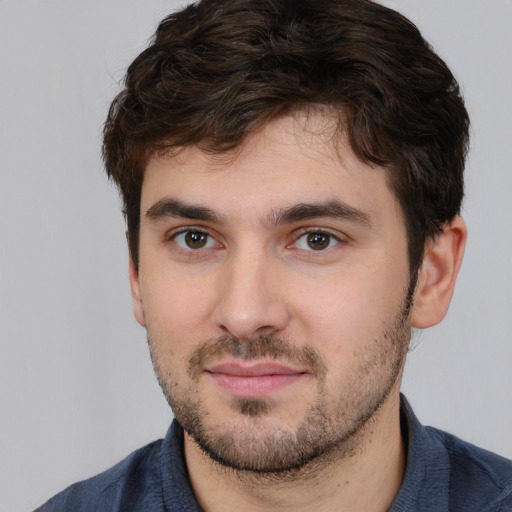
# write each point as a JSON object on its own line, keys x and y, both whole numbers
{"x": 254, "y": 380}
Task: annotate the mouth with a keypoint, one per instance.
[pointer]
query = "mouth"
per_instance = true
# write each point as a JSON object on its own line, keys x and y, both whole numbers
{"x": 258, "y": 380}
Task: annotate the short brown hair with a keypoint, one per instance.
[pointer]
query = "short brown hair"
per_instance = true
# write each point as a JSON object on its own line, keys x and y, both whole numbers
{"x": 218, "y": 69}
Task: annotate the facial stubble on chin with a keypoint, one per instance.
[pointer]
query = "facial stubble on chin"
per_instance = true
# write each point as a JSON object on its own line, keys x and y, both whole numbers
{"x": 324, "y": 429}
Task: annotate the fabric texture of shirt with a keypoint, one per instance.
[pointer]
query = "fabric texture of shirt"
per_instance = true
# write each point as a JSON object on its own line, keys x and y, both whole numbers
{"x": 443, "y": 474}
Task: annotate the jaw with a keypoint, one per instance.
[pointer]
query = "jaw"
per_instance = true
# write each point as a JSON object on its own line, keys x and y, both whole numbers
{"x": 370, "y": 465}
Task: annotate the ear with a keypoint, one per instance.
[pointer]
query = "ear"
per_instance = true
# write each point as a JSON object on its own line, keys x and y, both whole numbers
{"x": 138, "y": 310}
{"x": 437, "y": 275}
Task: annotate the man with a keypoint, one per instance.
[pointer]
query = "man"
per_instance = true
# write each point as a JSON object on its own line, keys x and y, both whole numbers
{"x": 292, "y": 175}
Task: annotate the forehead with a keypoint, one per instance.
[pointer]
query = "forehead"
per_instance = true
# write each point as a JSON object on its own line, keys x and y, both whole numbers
{"x": 293, "y": 159}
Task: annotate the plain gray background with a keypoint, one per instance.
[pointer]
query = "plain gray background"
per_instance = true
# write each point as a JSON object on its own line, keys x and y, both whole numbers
{"x": 77, "y": 392}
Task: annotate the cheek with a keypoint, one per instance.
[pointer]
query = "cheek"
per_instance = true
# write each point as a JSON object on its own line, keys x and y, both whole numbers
{"x": 344, "y": 311}
{"x": 176, "y": 306}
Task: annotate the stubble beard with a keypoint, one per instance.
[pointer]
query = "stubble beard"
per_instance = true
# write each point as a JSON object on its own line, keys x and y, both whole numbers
{"x": 330, "y": 427}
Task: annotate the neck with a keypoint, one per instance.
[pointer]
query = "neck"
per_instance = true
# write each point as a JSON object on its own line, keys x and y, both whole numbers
{"x": 362, "y": 476}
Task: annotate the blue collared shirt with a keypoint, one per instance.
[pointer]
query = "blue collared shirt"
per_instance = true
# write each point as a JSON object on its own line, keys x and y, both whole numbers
{"x": 443, "y": 474}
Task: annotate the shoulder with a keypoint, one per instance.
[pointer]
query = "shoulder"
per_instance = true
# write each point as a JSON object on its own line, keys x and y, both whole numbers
{"x": 477, "y": 477}
{"x": 445, "y": 473}
{"x": 153, "y": 478}
{"x": 134, "y": 480}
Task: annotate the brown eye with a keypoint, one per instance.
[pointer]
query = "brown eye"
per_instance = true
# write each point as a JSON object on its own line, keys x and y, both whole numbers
{"x": 194, "y": 240}
{"x": 318, "y": 241}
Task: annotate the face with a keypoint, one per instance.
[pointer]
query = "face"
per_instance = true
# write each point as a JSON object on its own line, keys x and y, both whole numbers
{"x": 273, "y": 287}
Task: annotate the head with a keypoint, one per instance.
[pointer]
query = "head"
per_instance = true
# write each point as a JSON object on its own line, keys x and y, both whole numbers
{"x": 218, "y": 70}
{"x": 222, "y": 120}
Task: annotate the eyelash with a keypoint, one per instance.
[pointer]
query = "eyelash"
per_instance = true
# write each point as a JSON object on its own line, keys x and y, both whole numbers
{"x": 317, "y": 231}
{"x": 172, "y": 236}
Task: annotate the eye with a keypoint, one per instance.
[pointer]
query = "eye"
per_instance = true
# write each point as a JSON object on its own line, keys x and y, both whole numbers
{"x": 316, "y": 241}
{"x": 194, "y": 240}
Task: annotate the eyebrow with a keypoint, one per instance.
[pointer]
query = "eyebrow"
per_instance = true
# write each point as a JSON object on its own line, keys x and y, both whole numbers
{"x": 174, "y": 208}
{"x": 333, "y": 209}
{"x": 169, "y": 208}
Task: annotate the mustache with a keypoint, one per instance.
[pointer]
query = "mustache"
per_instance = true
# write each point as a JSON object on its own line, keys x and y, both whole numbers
{"x": 269, "y": 347}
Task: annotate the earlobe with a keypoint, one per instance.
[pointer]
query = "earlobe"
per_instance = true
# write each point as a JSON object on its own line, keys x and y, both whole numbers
{"x": 437, "y": 275}
{"x": 138, "y": 310}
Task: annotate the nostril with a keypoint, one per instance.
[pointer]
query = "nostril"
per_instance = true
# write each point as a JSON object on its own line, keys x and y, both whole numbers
{"x": 252, "y": 323}
{"x": 266, "y": 330}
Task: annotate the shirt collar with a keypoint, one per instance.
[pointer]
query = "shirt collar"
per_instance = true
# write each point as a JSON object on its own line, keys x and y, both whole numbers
{"x": 176, "y": 488}
{"x": 427, "y": 474}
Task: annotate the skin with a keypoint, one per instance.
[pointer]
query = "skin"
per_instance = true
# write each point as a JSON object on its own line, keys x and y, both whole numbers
{"x": 253, "y": 280}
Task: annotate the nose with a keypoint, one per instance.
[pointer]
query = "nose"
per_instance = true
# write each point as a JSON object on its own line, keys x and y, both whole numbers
{"x": 250, "y": 299}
